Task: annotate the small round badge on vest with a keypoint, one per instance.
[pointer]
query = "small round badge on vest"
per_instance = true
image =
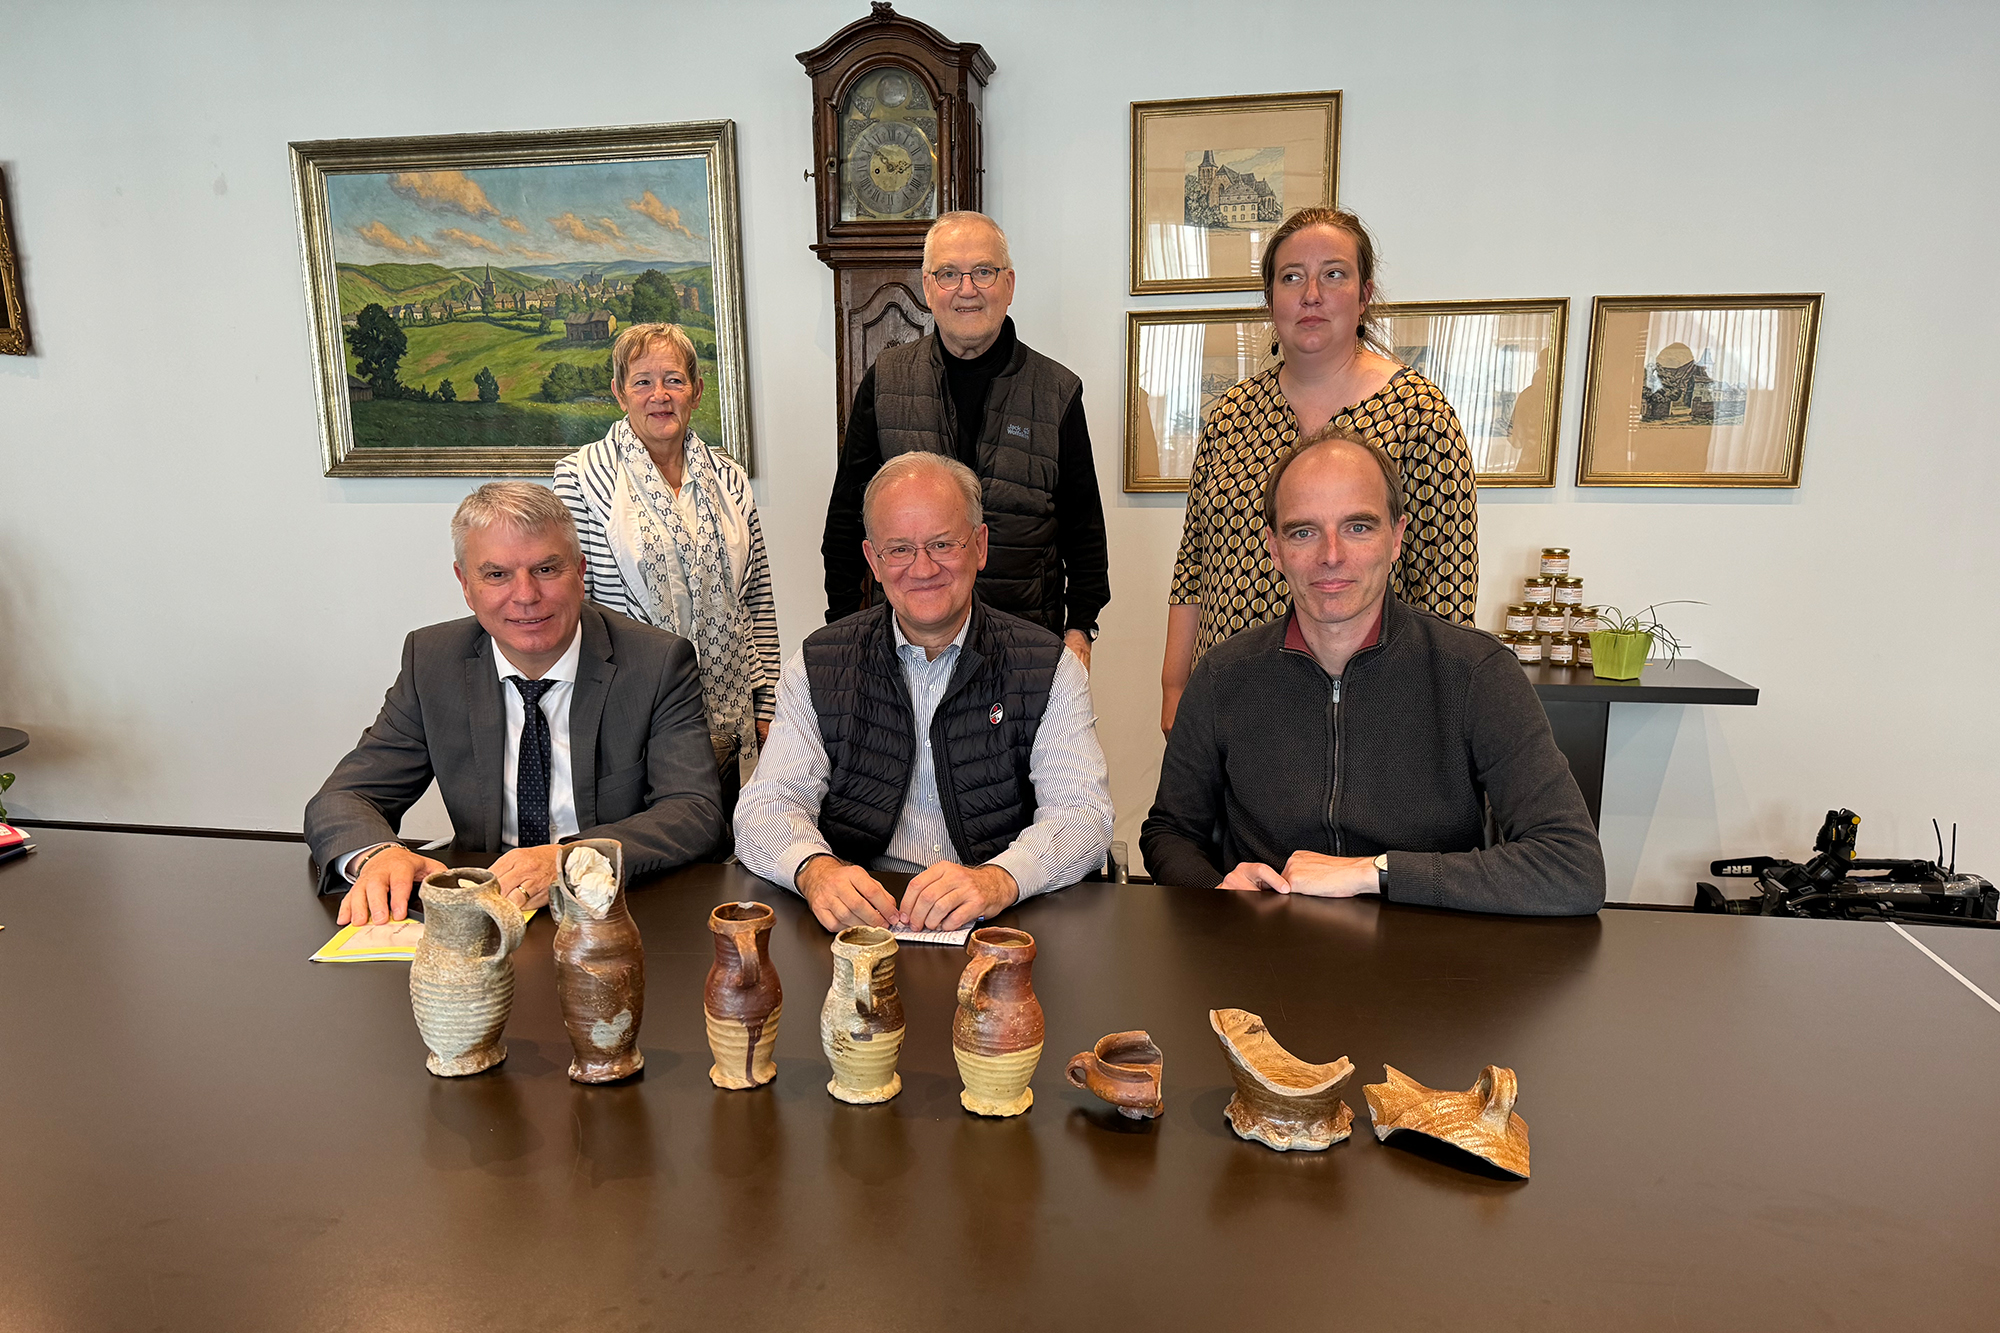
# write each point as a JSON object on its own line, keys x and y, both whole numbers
{"x": 996, "y": 714}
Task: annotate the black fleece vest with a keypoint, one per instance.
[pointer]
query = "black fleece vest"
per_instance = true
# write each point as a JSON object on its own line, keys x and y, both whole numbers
{"x": 981, "y": 735}
{"x": 1019, "y": 448}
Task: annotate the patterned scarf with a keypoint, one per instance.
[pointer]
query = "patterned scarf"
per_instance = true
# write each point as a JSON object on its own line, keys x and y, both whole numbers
{"x": 721, "y": 629}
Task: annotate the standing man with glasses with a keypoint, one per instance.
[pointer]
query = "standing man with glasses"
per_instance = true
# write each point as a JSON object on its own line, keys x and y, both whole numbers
{"x": 936, "y": 736}
{"x": 972, "y": 391}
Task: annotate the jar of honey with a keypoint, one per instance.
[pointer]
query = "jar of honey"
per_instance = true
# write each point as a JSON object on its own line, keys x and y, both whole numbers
{"x": 1569, "y": 591}
{"x": 1521, "y": 618}
{"x": 1527, "y": 647}
{"x": 1555, "y": 561}
{"x": 1551, "y": 619}
{"x": 1541, "y": 590}
{"x": 1562, "y": 650}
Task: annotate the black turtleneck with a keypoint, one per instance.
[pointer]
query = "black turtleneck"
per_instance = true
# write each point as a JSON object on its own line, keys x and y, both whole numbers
{"x": 1079, "y": 510}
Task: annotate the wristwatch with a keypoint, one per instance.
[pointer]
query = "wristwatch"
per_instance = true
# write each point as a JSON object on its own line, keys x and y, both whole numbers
{"x": 1382, "y": 874}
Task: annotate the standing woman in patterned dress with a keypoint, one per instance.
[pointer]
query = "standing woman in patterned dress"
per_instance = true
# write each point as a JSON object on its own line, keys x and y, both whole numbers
{"x": 670, "y": 537}
{"x": 1319, "y": 282}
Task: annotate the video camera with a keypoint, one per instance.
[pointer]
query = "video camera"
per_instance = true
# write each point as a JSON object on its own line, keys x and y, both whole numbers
{"x": 1837, "y": 885}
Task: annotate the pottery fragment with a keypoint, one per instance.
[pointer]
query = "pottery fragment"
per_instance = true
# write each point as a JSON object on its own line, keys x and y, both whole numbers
{"x": 1281, "y": 1101}
{"x": 1480, "y": 1120}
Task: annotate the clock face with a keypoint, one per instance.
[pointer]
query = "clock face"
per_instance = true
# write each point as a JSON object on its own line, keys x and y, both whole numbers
{"x": 888, "y": 149}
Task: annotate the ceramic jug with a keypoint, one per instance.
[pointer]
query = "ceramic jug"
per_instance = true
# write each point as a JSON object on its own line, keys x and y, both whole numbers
{"x": 742, "y": 999}
{"x": 1281, "y": 1101}
{"x": 1123, "y": 1069}
{"x": 861, "y": 1024}
{"x": 997, "y": 1034}
{"x": 600, "y": 970}
{"x": 461, "y": 978}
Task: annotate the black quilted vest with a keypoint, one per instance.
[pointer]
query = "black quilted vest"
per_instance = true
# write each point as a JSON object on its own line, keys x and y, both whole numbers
{"x": 1018, "y": 452}
{"x": 868, "y": 725}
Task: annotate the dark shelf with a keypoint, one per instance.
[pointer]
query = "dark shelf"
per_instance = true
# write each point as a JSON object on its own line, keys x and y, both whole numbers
{"x": 1685, "y": 682}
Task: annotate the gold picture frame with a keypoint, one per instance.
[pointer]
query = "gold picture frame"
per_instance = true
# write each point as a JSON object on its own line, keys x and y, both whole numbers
{"x": 503, "y": 261}
{"x": 1698, "y": 390}
{"x": 13, "y": 306}
{"x": 1500, "y": 366}
{"x": 1212, "y": 176}
{"x": 1177, "y": 363}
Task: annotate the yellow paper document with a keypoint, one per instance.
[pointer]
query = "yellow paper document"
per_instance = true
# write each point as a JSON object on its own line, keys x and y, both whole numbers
{"x": 390, "y": 942}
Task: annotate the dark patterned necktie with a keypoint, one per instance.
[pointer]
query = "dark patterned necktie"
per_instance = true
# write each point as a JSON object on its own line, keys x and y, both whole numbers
{"x": 531, "y": 774}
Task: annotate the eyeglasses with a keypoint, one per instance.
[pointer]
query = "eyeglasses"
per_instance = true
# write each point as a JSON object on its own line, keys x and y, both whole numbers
{"x": 900, "y": 555}
{"x": 982, "y": 277}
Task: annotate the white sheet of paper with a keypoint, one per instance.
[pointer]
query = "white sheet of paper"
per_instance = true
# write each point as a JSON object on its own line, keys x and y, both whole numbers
{"x": 958, "y": 937}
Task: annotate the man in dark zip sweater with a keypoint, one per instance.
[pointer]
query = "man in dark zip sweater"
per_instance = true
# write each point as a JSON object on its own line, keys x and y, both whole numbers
{"x": 1346, "y": 749}
{"x": 971, "y": 390}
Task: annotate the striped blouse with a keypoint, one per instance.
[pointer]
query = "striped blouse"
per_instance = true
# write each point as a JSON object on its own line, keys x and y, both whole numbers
{"x": 586, "y": 482}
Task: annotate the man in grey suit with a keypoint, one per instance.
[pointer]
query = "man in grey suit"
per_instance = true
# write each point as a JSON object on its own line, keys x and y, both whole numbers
{"x": 542, "y": 717}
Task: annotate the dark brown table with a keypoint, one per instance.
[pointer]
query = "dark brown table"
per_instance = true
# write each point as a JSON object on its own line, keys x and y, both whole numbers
{"x": 1579, "y": 707}
{"x": 1736, "y": 1123}
{"x": 12, "y": 739}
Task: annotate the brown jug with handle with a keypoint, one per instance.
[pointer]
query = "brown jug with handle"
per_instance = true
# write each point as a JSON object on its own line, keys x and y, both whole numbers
{"x": 996, "y": 1035}
{"x": 742, "y": 999}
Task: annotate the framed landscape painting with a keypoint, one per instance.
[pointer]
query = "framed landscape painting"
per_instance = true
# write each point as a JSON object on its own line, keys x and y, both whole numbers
{"x": 1177, "y": 364}
{"x": 1500, "y": 366}
{"x": 1698, "y": 390}
{"x": 1212, "y": 177}
{"x": 464, "y": 289}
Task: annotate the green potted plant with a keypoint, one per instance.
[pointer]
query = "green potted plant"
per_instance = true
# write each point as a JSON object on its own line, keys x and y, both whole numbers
{"x": 1620, "y": 649}
{"x": 6, "y": 781}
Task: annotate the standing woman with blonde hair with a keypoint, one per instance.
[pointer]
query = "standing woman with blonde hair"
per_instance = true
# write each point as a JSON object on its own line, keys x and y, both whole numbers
{"x": 1319, "y": 283}
{"x": 670, "y": 537}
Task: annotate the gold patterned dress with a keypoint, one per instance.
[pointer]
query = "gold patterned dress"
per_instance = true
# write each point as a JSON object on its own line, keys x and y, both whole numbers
{"x": 1223, "y": 562}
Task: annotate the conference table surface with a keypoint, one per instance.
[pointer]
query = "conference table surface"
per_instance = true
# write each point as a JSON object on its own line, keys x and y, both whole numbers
{"x": 1735, "y": 1123}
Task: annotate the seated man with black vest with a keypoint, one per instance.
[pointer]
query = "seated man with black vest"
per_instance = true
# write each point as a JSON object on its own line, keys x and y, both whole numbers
{"x": 1355, "y": 745}
{"x": 934, "y": 735}
{"x": 973, "y": 391}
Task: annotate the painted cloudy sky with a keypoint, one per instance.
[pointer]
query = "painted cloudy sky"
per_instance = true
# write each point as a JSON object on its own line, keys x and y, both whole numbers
{"x": 600, "y": 213}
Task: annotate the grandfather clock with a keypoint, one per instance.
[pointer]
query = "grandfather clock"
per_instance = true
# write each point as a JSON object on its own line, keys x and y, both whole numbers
{"x": 896, "y": 142}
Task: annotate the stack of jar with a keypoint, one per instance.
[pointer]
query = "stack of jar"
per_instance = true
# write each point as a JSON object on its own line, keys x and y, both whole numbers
{"x": 1551, "y": 623}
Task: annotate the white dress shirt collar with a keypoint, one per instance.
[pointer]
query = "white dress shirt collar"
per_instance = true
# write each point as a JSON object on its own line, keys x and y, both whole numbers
{"x": 564, "y": 669}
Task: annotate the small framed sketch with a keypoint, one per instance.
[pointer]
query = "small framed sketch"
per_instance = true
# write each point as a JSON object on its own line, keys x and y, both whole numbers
{"x": 13, "y": 307}
{"x": 1697, "y": 390}
{"x": 1177, "y": 363}
{"x": 1213, "y": 176}
{"x": 1500, "y": 366}
{"x": 465, "y": 290}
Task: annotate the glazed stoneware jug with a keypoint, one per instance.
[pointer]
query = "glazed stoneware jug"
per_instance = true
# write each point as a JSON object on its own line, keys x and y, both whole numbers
{"x": 1123, "y": 1069}
{"x": 461, "y": 977}
{"x": 1281, "y": 1101}
{"x": 996, "y": 1035}
{"x": 600, "y": 963}
{"x": 742, "y": 999}
{"x": 861, "y": 1024}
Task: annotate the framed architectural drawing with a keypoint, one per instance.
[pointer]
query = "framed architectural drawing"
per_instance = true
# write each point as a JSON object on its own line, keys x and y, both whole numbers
{"x": 1211, "y": 178}
{"x": 464, "y": 289}
{"x": 13, "y": 306}
{"x": 1500, "y": 366}
{"x": 1177, "y": 363}
{"x": 1697, "y": 390}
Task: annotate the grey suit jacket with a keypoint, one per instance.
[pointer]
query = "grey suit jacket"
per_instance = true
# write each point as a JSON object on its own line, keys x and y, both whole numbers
{"x": 641, "y": 762}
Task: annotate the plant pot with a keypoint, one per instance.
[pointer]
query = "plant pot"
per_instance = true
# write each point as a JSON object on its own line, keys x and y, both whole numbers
{"x": 1618, "y": 656}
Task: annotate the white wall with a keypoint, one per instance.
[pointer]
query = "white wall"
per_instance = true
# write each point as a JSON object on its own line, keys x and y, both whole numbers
{"x": 194, "y": 623}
